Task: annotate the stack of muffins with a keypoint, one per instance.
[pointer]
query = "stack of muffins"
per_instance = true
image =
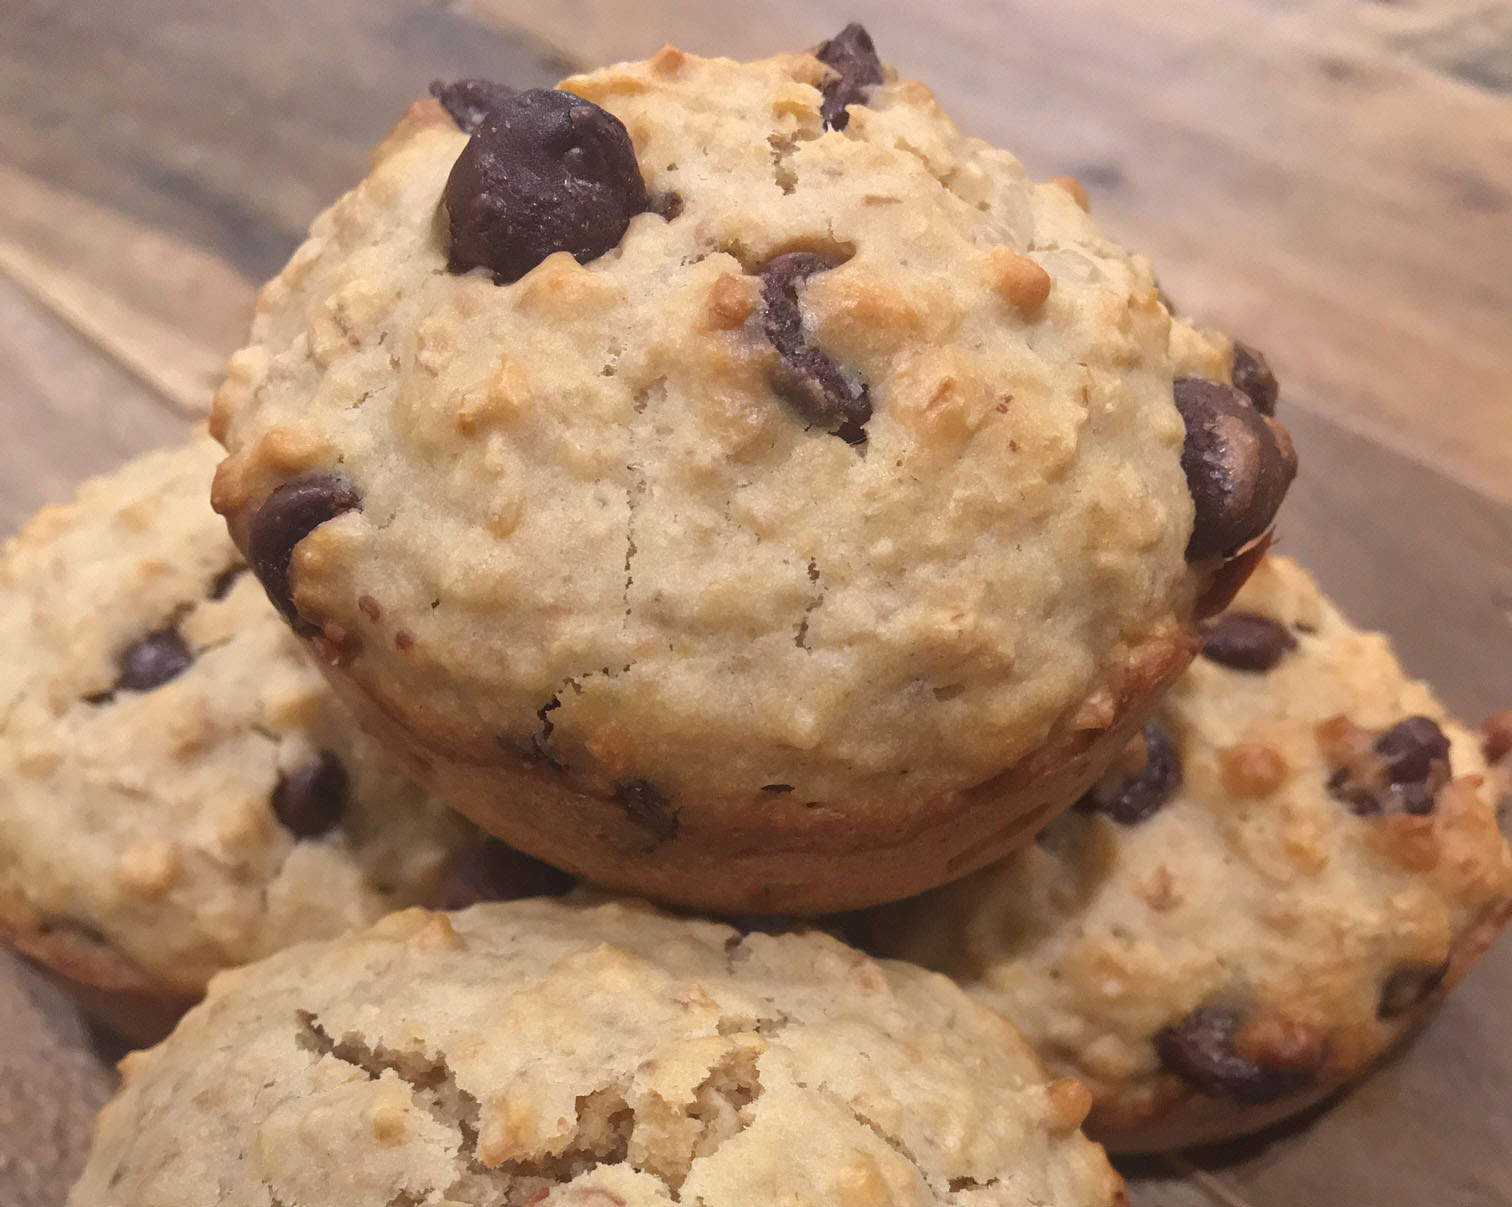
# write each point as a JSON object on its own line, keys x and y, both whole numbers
{"x": 724, "y": 485}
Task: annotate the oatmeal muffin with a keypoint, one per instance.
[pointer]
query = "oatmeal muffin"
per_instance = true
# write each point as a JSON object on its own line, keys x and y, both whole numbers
{"x": 179, "y": 790}
{"x": 1297, "y": 863}
{"x": 731, "y": 483}
{"x": 558, "y": 1053}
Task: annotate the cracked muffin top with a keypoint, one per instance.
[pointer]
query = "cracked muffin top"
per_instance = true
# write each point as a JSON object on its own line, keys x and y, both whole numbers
{"x": 553, "y": 1053}
{"x": 179, "y": 789}
{"x": 1295, "y": 864}
{"x": 737, "y": 438}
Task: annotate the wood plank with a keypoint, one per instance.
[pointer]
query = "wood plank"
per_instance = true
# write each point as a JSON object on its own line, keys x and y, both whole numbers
{"x": 1312, "y": 175}
{"x": 228, "y": 126}
{"x": 165, "y": 310}
{"x": 68, "y": 410}
{"x": 145, "y": 224}
{"x": 51, "y": 1085}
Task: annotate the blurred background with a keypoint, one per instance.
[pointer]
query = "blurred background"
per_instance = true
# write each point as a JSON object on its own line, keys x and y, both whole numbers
{"x": 1329, "y": 179}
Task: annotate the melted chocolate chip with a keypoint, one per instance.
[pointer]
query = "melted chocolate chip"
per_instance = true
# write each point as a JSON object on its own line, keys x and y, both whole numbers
{"x": 646, "y": 804}
{"x": 805, "y": 377}
{"x": 851, "y": 55}
{"x": 1252, "y": 374}
{"x": 310, "y": 800}
{"x": 470, "y": 101}
{"x": 492, "y": 871}
{"x": 1200, "y": 1050}
{"x": 1408, "y": 987}
{"x": 1238, "y": 465}
{"x": 225, "y": 580}
{"x": 153, "y": 661}
{"x": 545, "y": 171}
{"x": 666, "y": 205}
{"x": 1139, "y": 796}
{"x": 287, "y": 516}
{"x": 1244, "y": 641}
{"x": 1401, "y": 773}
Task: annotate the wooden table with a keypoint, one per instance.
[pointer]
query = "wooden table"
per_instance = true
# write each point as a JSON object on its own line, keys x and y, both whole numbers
{"x": 1332, "y": 179}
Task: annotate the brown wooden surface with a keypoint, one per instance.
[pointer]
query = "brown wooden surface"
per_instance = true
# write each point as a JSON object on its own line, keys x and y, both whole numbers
{"x": 1330, "y": 178}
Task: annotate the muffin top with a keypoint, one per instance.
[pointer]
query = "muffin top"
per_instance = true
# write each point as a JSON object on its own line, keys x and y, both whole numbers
{"x": 1300, "y": 857}
{"x": 546, "y": 1052}
{"x": 179, "y": 790}
{"x": 826, "y": 454}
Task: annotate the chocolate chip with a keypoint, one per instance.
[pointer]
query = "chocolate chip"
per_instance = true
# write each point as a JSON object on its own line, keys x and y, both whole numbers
{"x": 851, "y": 55}
{"x": 310, "y": 800}
{"x": 666, "y": 205}
{"x": 153, "y": 661}
{"x": 492, "y": 871}
{"x": 646, "y": 804}
{"x": 545, "y": 171}
{"x": 470, "y": 101}
{"x": 287, "y": 516}
{"x": 1401, "y": 772}
{"x": 805, "y": 377}
{"x": 1243, "y": 641}
{"x": 1408, "y": 987}
{"x": 1252, "y": 374}
{"x": 777, "y": 789}
{"x": 225, "y": 580}
{"x": 770, "y": 924}
{"x": 1200, "y": 1050}
{"x": 1141, "y": 794}
{"x": 1238, "y": 465}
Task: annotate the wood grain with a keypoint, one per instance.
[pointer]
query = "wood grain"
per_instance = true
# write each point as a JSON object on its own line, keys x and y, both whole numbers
{"x": 51, "y": 1085}
{"x": 1331, "y": 178}
{"x": 68, "y": 410}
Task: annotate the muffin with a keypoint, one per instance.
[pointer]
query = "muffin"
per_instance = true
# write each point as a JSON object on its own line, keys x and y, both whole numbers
{"x": 731, "y": 483}
{"x": 179, "y": 790}
{"x": 1298, "y": 861}
{"x": 558, "y": 1053}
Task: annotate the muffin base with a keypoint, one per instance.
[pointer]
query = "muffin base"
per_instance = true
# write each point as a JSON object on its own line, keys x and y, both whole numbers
{"x": 777, "y": 855}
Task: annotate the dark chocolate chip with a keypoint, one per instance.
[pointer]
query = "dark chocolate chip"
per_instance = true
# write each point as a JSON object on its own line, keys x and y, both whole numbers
{"x": 646, "y": 804}
{"x": 470, "y": 101}
{"x": 492, "y": 871}
{"x": 1244, "y": 641}
{"x": 225, "y": 580}
{"x": 770, "y": 924}
{"x": 777, "y": 789}
{"x": 310, "y": 800}
{"x": 805, "y": 377}
{"x": 287, "y": 516}
{"x": 1238, "y": 465}
{"x": 1200, "y": 1050}
{"x": 851, "y": 55}
{"x": 666, "y": 205}
{"x": 153, "y": 661}
{"x": 1401, "y": 773}
{"x": 1252, "y": 374}
{"x": 1408, "y": 987}
{"x": 1139, "y": 796}
{"x": 540, "y": 741}
{"x": 545, "y": 171}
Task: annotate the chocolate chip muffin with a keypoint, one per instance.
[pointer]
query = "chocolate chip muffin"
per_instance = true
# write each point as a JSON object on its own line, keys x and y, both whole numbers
{"x": 179, "y": 790}
{"x": 731, "y": 483}
{"x": 1299, "y": 860}
{"x": 552, "y": 1052}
